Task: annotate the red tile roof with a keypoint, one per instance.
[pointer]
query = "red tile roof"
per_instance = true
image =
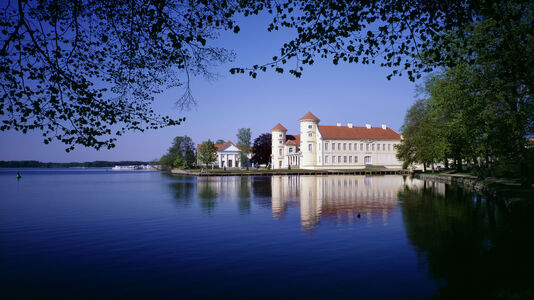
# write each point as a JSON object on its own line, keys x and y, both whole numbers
{"x": 279, "y": 127}
{"x": 309, "y": 116}
{"x": 222, "y": 146}
{"x": 219, "y": 146}
{"x": 344, "y": 132}
{"x": 293, "y": 139}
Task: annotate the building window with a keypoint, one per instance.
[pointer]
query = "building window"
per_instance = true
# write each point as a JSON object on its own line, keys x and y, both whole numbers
{"x": 350, "y": 159}
{"x": 366, "y": 147}
{"x": 344, "y": 146}
{"x": 326, "y": 159}
{"x": 339, "y": 159}
{"x": 355, "y": 159}
{"x": 280, "y": 150}
{"x": 378, "y": 147}
{"x": 350, "y": 146}
{"x": 310, "y": 126}
{"x": 367, "y": 160}
{"x": 372, "y": 147}
{"x": 389, "y": 147}
{"x": 344, "y": 159}
{"x": 280, "y": 142}
{"x": 309, "y": 147}
{"x": 280, "y": 164}
{"x": 333, "y": 159}
{"x": 361, "y": 147}
{"x": 310, "y": 134}
{"x": 325, "y": 146}
{"x": 290, "y": 149}
{"x": 384, "y": 147}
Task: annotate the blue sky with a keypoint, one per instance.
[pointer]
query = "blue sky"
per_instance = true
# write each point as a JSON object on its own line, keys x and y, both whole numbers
{"x": 344, "y": 93}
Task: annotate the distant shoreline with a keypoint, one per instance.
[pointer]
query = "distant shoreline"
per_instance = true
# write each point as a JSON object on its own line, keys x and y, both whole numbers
{"x": 88, "y": 164}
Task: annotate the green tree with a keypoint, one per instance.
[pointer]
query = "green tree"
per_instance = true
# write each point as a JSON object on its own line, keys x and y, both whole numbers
{"x": 207, "y": 153}
{"x": 422, "y": 141}
{"x": 243, "y": 143}
{"x": 181, "y": 154}
{"x": 220, "y": 142}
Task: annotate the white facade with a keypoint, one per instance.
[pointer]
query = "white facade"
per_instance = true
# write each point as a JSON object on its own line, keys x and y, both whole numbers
{"x": 228, "y": 155}
{"x": 334, "y": 147}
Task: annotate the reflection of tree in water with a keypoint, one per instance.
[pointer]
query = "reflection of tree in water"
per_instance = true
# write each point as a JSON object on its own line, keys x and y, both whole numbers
{"x": 243, "y": 195}
{"x": 183, "y": 193}
{"x": 471, "y": 247}
{"x": 261, "y": 189}
{"x": 207, "y": 195}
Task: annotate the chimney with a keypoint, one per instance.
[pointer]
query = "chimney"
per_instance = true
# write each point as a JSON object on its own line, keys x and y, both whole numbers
{"x": 338, "y": 124}
{"x": 384, "y": 126}
{"x": 368, "y": 125}
{"x": 349, "y": 125}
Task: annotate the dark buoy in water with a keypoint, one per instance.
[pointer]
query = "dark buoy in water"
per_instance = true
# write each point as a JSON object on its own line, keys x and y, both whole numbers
{"x": 358, "y": 215}
{"x": 18, "y": 175}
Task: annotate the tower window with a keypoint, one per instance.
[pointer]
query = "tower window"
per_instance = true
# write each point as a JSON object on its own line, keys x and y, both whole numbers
{"x": 310, "y": 134}
{"x": 280, "y": 151}
{"x": 310, "y": 147}
{"x": 310, "y": 126}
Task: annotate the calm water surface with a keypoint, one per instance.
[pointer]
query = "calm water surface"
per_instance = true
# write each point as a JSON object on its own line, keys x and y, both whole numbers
{"x": 78, "y": 233}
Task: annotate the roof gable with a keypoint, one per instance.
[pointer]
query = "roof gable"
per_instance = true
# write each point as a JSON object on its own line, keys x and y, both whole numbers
{"x": 344, "y": 132}
{"x": 220, "y": 146}
{"x": 309, "y": 116}
{"x": 278, "y": 127}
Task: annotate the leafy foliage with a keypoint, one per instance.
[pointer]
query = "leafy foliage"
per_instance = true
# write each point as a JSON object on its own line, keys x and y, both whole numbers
{"x": 243, "y": 143}
{"x": 261, "y": 149}
{"x": 207, "y": 154}
{"x": 180, "y": 155}
{"x": 85, "y": 72}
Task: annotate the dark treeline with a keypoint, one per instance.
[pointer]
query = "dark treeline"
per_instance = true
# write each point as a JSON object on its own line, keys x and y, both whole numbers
{"x": 87, "y": 164}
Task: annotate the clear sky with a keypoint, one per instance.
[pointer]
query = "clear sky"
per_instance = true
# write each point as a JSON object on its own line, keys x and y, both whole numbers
{"x": 344, "y": 93}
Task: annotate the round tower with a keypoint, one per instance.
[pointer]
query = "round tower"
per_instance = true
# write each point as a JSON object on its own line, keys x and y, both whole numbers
{"x": 308, "y": 141}
{"x": 278, "y": 137}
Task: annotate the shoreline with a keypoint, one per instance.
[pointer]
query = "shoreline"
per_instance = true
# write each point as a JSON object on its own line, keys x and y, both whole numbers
{"x": 291, "y": 172}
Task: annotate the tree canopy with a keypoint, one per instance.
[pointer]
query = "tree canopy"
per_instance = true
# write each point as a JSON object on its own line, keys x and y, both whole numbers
{"x": 181, "y": 154}
{"x": 243, "y": 143}
{"x": 207, "y": 153}
{"x": 261, "y": 149}
{"x": 85, "y": 72}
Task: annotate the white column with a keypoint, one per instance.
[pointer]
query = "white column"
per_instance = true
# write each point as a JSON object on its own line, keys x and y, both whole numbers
{"x": 235, "y": 160}
{"x": 226, "y": 160}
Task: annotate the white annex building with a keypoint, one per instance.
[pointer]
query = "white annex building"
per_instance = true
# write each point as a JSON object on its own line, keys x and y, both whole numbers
{"x": 334, "y": 146}
{"x": 228, "y": 155}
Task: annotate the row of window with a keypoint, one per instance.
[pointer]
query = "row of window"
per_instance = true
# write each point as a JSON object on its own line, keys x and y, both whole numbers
{"x": 348, "y": 159}
{"x": 367, "y": 146}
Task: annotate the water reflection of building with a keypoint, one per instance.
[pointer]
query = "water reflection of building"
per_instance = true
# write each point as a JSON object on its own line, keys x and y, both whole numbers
{"x": 337, "y": 197}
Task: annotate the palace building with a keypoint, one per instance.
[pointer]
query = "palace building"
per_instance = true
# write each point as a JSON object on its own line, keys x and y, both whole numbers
{"x": 334, "y": 146}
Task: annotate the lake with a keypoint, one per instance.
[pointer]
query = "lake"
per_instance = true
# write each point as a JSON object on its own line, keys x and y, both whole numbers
{"x": 95, "y": 233}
